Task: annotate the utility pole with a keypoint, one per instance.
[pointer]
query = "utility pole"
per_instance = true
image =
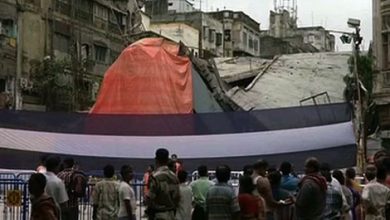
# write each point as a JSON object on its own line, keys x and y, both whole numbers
{"x": 19, "y": 57}
{"x": 362, "y": 148}
{"x": 360, "y": 126}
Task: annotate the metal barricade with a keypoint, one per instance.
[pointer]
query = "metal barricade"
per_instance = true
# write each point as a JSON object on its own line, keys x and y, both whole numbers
{"x": 86, "y": 203}
{"x": 14, "y": 199}
{"x": 24, "y": 176}
{"x": 7, "y": 175}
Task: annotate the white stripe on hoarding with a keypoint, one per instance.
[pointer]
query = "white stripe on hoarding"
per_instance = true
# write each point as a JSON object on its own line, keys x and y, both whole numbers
{"x": 201, "y": 146}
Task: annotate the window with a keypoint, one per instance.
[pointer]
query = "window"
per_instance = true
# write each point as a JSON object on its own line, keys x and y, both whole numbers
{"x": 228, "y": 35}
{"x": 101, "y": 12}
{"x": 2, "y": 85}
{"x": 100, "y": 53}
{"x": 386, "y": 22}
{"x": 36, "y": 3}
{"x": 8, "y": 28}
{"x": 311, "y": 38}
{"x": 61, "y": 43}
{"x": 85, "y": 52}
{"x": 250, "y": 43}
{"x": 219, "y": 39}
{"x": 84, "y": 10}
{"x": 386, "y": 76}
{"x": 256, "y": 45}
{"x": 235, "y": 16}
{"x": 385, "y": 48}
{"x": 205, "y": 32}
{"x": 226, "y": 14}
{"x": 211, "y": 35}
{"x": 114, "y": 55}
{"x": 245, "y": 39}
{"x": 63, "y": 7}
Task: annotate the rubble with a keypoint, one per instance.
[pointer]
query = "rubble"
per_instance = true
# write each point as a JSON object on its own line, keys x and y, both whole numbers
{"x": 289, "y": 80}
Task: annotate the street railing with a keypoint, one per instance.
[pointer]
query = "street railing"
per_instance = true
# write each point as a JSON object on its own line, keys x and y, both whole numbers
{"x": 15, "y": 200}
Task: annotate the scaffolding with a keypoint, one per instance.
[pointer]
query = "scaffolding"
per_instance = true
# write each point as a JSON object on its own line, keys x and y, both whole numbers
{"x": 287, "y": 5}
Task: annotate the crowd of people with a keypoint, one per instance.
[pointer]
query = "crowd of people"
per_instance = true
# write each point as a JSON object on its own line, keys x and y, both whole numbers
{"x": 264, "y": 193}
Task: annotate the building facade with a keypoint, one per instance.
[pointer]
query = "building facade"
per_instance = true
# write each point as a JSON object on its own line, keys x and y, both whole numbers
{"x": 241, "y": 33}
{"x": 317, "y": 37}
{"x": 180, "y": 6}
{"x": 381, "y": 39}
{"x": 210, "y": 30}
{"x": 8, "y": 35}
{"x": 281, "y": 24}
{"x": 179, "y": 32}
{"x": 88, "y": 33}
{"x": 283, "y": 27}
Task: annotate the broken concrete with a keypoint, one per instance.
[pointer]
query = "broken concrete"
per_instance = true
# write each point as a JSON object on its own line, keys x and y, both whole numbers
{"x": 289, "y": 80}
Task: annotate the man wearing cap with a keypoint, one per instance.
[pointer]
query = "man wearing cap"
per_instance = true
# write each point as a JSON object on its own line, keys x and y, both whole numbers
{"x": 164, "y": 194}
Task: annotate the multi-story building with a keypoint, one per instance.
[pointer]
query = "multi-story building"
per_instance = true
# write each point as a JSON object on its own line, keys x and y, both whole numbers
{"x": 91, "y": 33}
{"x": 210, "y": 29}
{"x": 318, "y": 37}
{"x": 179, "y": 6}
{"x": 241, "y": 33}
{"x": 281, "y": 24}
{"x": 283, "y": 30}
{"x": 381, "y": 90}
{"x": 222, "y": 33}
{"x": 8, "y": 36}
{"x": 178, "y": 32}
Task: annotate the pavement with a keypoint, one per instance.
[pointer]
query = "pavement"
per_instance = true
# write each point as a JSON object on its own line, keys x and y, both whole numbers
{"x": 7, "y": 213}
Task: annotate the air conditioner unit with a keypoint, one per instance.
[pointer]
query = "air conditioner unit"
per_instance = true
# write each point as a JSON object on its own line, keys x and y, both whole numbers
{"x": 25, "y": 84}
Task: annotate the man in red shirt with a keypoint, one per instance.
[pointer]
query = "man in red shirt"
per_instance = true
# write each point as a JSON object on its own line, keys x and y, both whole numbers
{"x": 178, "y": 163}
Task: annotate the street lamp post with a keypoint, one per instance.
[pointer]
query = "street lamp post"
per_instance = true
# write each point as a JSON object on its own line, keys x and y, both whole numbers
{"x": 356, "y": 40}
{"x": 362, "y": 150}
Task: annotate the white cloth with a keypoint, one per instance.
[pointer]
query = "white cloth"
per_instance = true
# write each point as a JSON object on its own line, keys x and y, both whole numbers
{"x": 377, "y": 196}
{"x": 185, "y": 205}
{"x": 55, "y": 188}
{"x": 336, "y": 184}
{"x": 126, "y": 193}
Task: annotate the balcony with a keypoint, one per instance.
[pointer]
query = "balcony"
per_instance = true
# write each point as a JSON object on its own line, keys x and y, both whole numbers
{"x": 382, "y": 87}
{"x": 385, "y": 78}
{"x": 385, "y": 7}
{"x": 113, "y": 28}
{"x": 84, "y": 16}
{"x": 63, "y": 8}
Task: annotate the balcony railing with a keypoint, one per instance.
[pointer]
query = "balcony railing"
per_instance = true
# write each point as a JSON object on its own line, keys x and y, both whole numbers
{"x": 386, "y": 78}
{"x": 84, "y": 16}
{"x": 63, "y": 8}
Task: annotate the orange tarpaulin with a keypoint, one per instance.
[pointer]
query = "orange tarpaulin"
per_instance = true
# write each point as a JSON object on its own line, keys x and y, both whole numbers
{"x": 147, "y": 78}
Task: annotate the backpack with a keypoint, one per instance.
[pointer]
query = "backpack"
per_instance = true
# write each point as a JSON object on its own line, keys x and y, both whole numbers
{"x": 78, "y": 184}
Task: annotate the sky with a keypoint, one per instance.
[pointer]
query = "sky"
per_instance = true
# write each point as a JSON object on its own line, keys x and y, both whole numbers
{"x": 332, "y": 14}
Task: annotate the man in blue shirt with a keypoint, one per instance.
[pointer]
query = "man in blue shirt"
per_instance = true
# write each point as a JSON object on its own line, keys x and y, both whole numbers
{"x": 288, "y": 182}
{"x": 221, "y": 200}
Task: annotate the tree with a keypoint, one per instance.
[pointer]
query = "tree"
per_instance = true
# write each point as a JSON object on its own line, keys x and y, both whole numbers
{"x": 61, "y": 86}
{"x": 365, "y": 70}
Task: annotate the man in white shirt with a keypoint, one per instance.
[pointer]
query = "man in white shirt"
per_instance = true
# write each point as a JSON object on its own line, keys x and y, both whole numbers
{"x": 127, "y": 201}
{"x": 376, "y": 196}
{"x": 105, "y": 196}
{"x": 55, "y": 187}
{"x": 185, "y": 205}
{"x": 334, "y": 189}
